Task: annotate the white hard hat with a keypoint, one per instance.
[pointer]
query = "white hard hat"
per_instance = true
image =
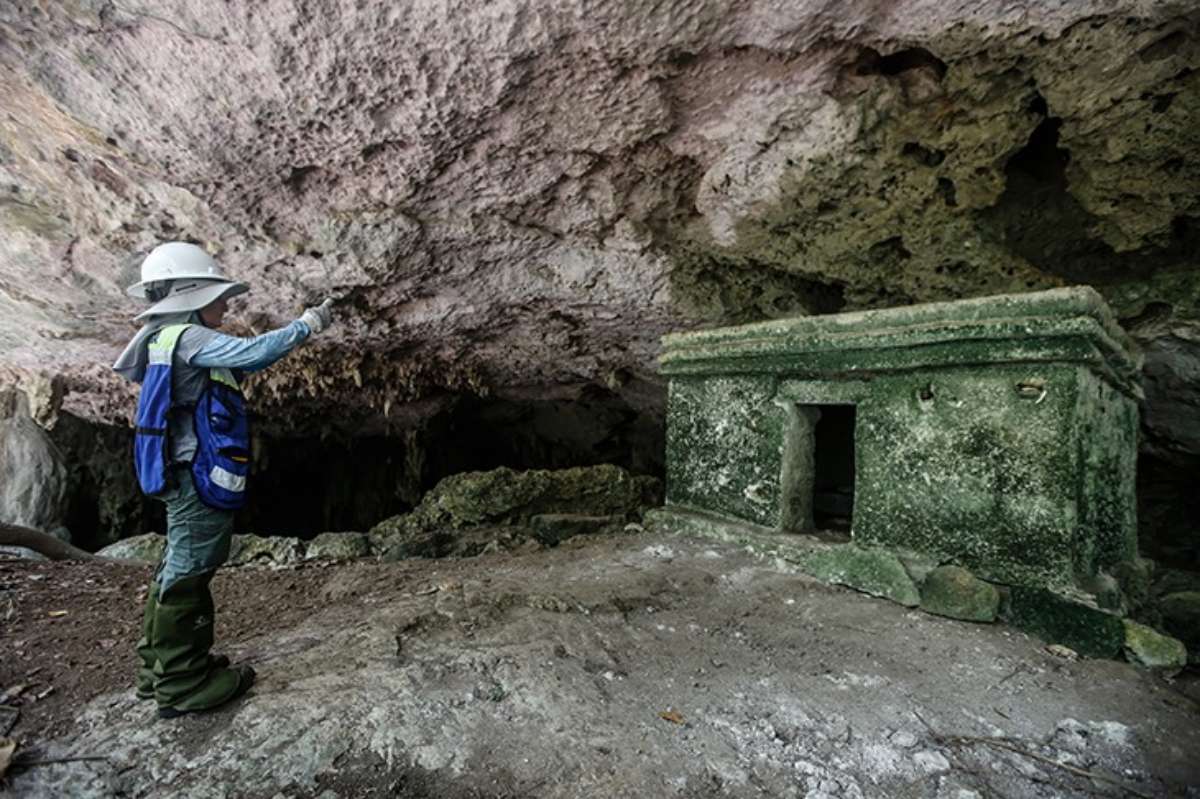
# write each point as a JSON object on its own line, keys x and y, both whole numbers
{"x": 173, "y": 261}
{"x": 182, "y": 277}
{"x": 192, "y": 295}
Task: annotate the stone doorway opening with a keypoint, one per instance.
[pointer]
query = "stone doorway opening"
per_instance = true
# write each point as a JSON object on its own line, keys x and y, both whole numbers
{"x": 819, "y": 469}
{"x": 833, "y": 468}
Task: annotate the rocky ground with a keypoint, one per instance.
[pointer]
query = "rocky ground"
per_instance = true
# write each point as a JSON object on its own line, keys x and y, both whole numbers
{"x": 610, "y": 666}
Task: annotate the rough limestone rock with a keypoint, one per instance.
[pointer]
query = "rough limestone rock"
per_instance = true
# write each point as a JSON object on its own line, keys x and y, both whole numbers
{"x": 265, "y": 550}
{"x": 148, "y": 547}
{"x": 33, "y": 478}
{"x": 917, "y": 564}
{"x": 1148, "y": 647}
{"x": 531, "y": 199}
{"x": 101, "y": 480}
{"x": 466, "y": 543}
{"x": 519, "y": 203}
{"x": 1106, "y": 590}
{"x": 505, "y": 497}
{"x": 338, "y": 546}
{"x": 954, "y": 592}
{"x": 252, "y": 549}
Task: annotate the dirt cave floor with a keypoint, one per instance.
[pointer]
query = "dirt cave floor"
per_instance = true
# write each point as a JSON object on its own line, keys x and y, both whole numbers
{"x": 611, "y": 666}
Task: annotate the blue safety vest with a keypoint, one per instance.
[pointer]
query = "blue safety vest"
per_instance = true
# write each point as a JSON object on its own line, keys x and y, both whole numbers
{"x": 222, "y": 460}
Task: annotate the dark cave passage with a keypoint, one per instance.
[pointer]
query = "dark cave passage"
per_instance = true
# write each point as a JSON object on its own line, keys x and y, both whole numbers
{"x": 834, "y": 468}
{"x": 306, "y": 485}
{"x": 1168, "y": 495}
{"x": 1038, "y": 218}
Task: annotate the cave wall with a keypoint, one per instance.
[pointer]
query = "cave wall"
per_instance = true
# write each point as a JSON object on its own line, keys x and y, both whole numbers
{"x": 513, "y": 202}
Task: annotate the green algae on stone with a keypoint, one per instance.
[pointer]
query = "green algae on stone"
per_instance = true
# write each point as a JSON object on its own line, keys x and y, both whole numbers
{"x": 1148, "y": 647}
{"x": 873, "y": 571}
{"x": 725, "y": 446}
{"x": 504, "y": 496}
{"x": 917, "y": 564}
{"x": 954, "y": 592}
{"x": 760, "y": 540}
{"x": 999, "y": 433}
{"x": 1060, "y": 619}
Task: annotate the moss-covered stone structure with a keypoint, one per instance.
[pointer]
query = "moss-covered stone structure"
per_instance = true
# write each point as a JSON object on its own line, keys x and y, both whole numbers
{"x": 999, "y": 433}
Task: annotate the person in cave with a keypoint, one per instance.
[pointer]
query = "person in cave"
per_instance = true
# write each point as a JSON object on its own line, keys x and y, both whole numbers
{"x": 192, "y": 452}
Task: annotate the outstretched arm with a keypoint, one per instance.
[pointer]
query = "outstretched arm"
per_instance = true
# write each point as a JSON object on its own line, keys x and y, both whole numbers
{"x": 259, "y": 352}
{"x": 250, "y": 354}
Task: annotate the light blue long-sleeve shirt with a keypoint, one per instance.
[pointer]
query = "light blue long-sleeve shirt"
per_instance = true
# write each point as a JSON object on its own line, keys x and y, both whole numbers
{"x": 249, "y": 354}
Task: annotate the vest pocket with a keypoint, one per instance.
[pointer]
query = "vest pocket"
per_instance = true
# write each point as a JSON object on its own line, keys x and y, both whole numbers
{"x": 222, "y": 462}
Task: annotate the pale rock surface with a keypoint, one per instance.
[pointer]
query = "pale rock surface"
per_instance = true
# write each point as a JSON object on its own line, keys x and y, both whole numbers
{"x": 146, "y": 547}
{"x": 33, "y": 478}
{"x": 252, "y": 549}
{"x": 627, "y": 673}
{"x": 23, "y": 553}
{"x": 522, "y": 197}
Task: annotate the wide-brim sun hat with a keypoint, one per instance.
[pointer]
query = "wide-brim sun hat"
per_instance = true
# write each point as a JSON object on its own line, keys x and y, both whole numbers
{"x": 192, "y": 295}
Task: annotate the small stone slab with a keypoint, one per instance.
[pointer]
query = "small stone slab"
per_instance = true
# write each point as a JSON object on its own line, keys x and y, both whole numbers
{"x": 954, "y": 592}
{"x": 873, "y": 571}
{"x": 1148, "y": 647}
{"x": 1059, "y": 619}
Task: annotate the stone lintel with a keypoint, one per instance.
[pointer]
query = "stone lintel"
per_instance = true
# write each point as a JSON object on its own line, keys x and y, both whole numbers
{"x": 1071, "y": 325}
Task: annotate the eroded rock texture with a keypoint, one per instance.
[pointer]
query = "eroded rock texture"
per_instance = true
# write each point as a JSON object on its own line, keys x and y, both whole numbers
{"x": 516, "y": 199}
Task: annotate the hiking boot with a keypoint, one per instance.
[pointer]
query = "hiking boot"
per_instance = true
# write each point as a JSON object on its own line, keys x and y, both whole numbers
{"x": 224, "y": 685}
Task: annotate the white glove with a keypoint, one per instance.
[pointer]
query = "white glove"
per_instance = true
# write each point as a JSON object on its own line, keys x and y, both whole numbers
{"x": 318, "y": 317}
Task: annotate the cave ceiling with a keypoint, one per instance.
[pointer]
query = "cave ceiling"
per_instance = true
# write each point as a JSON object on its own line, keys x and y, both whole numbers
{"x": 518, "y": 198}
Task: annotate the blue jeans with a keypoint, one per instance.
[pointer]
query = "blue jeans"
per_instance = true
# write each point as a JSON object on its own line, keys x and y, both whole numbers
{"x": 198, "y": 537}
